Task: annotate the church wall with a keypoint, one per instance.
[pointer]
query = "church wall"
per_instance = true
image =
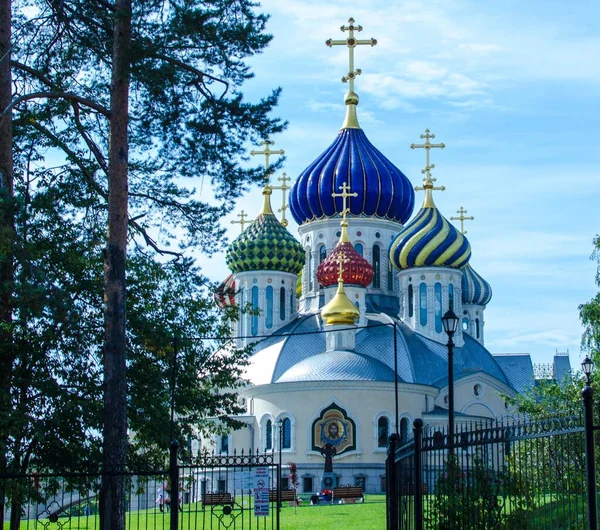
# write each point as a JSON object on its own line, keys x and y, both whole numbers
{"x": 449, "y": 279}
{"x": 363, "y": 401}
{"x": 477, "y": 395}
{"x": 472, "y": 321}
{"x": 366, "y": 232}
{"x": 246, "y": 281}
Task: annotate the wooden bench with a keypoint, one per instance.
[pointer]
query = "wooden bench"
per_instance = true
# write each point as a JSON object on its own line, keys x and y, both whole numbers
{"x": 347, "y": 493}
{"x": 286, "y": 495}
{"x": 213, "y": 499}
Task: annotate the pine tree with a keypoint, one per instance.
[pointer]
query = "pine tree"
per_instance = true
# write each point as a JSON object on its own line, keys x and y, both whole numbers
{"x": 130, "y": 98}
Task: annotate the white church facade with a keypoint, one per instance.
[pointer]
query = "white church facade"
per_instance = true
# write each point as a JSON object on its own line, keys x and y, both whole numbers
{"x": 346, "y": 324}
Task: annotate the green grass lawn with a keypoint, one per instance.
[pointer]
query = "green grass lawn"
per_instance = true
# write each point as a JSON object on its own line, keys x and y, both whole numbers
{"x": 369, "y": 515}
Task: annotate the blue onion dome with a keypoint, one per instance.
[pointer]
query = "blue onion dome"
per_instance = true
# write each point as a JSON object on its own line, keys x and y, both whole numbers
{"x": 475, "y": 290}
{"x": 429, "y": 240}
{"x": 265, "y": 245}
{"x": 383, "y": 190}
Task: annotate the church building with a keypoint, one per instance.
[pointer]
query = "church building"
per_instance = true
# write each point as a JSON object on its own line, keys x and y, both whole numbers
{"x": 346, "y": 315}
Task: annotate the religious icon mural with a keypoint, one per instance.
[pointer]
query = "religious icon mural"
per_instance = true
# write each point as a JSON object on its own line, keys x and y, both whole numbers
{"x": 333, "y": 432}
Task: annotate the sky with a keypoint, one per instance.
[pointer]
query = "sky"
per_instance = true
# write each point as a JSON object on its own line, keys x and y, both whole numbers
{"x": 513, "y": 90}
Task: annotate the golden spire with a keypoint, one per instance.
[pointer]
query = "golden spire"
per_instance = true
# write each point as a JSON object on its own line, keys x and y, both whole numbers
{"x": 242, "y": 215}
{"x": 340, "y": 310}
{"x": 266, "y": 207}
{"x": 284, "y": 187}
{"x": 351, "y": 98}
{"x": 267, "y": 152}
{"x": 462, "y": 219}
{"x": 428, "y": 180}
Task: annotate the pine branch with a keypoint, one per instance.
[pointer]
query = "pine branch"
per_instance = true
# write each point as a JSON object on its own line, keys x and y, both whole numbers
{"x": 201, "y": 75}
{"x": 55, "y": 95}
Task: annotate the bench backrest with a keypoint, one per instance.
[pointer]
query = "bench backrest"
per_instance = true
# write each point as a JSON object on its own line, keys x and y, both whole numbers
{"x": 217, "y": 498}
{"x": 349, "y": 491}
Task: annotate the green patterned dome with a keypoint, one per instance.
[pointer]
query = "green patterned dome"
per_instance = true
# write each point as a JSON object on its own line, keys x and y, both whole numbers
{"x": 265, "y": 245}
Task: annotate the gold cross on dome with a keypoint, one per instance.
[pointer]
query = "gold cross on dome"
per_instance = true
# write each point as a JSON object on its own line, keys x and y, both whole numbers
{"x": 428, "y": 185}
{"x": 427, "y": 146}
{"x": 462, "y": 219}
{"x": 344, "y": 195}
{"x": 284, "y": 187}
{"x": 267, "y": 152}
{"x": 242, "y": 221}
{"x": 351, "y": 42}
{"x": 340, "y": 259}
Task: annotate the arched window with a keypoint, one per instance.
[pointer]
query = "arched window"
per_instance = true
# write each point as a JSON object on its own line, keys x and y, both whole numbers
{"x": 390, "y": 276}
{"x": 477, "y": 327}
{"x": 269, "y": 316}
{"x": 383, "y": 431}
{"x": 359, "y": 248}
{"x": 309, "y": 269}
{"x": 242, "y": 315}
{"x": 224, "y": 443}
{"x": 465, "y": 324}
{"x": 376, "y": 266}
{"x": 423, "y": 304}
{"x": 411, "y": 297}
{"x": 286, "y": 440}
{"x": 254, "y": 318}
{"x": 292, "y": 302}
{"x": 403, "y": 431}
{"x": 451, "y": 297}
{"x": 269, "y": 436}
{"x": 438, "y": 306}
{"x": 282, "y": 303}
{"x": 322, "y": 253}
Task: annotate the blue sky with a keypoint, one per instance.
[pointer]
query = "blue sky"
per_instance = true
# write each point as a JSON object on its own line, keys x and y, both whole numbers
{"x": 512, "y": 89}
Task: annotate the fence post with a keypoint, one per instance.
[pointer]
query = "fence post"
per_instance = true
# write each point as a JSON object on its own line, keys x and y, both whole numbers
{"x": 590, "y": 458}
{"x": 391, "y": 486}
{"x": 418, "y": 434}
{"x": 174, "y": 477}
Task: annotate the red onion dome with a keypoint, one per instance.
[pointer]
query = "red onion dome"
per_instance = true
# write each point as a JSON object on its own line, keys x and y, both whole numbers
{"x": 225, "y": 293}
{"x": 356, "y": 269}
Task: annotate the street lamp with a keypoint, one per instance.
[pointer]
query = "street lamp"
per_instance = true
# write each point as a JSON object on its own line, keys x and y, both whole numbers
{"x": 450, "y": 323}
{"x": 590, "y": 458}
{"x": 280, "y": 425}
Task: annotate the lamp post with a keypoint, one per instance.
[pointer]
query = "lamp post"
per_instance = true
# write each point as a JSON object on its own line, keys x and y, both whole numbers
{"x": 590, "y": 458}
{"x": 280, "y": 425}
{"x": 450, "y": 323}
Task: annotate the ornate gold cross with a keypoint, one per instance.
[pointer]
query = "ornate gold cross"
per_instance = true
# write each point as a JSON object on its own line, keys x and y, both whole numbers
{"x": 428, "y": 185}
{"x": 242, "y": 221}
{"x": 351, "y": 42}
{"x": 427, "y": 146}
{"x": 462, "y": 219}
{"x": 340, "y": 259}
{"x": 267, "y": 152}
{"x": 284, "y": 187}
{"x": 344, "y": 195}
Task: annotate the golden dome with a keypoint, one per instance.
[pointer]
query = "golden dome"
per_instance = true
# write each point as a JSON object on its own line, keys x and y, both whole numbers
{"x": 340, "y": 310}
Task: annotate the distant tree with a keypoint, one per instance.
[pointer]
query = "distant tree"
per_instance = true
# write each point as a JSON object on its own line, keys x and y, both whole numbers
{"x": 124, "y": 100}
{"x": 589, "y": 313}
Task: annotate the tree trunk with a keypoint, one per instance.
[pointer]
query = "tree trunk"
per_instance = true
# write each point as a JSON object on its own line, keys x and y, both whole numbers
{"x": 115, "y": 384}
{"x": 6, "y": 239}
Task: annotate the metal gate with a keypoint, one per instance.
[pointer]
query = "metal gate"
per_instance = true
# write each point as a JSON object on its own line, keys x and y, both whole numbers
{"x": 517, "y": 474}
{"x": 230, "y": 492}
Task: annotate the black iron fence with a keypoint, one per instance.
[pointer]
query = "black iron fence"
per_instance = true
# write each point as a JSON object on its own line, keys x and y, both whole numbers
{"x": 501, "y": 475}
{"x": 208, "y": 492}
